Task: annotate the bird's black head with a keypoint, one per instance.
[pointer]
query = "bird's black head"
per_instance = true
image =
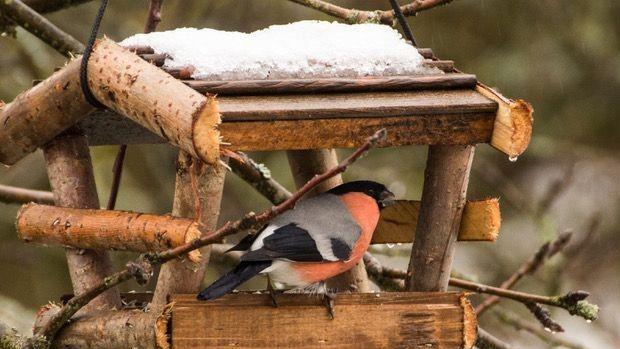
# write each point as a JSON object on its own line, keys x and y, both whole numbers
{"x": 375, "y": 190}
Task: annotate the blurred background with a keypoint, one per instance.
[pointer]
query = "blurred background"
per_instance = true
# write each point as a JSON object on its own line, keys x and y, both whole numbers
{"x": 562, "y": 56}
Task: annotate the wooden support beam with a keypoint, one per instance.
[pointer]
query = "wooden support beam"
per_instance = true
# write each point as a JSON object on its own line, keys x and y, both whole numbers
{"x": 512, "y": 130}
{"x": 443, "y": 199}
{"x": 197, "y": 194}
{"x": 105, "y": 230}
{"x": 112, "y": 329}
{"x": 139, "y": 232}
{"x": 124, "y": 83}
{"x": 70, "y": 173}
{"x": 38, "y": 115}
{"x": 362, "y": 320}
{"x": 155, "y": 100}
{"x": 481, "y": 222}
{"x": 305, "y": 164}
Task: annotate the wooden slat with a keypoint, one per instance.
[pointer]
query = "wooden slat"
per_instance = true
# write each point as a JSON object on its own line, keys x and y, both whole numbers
{"x": 350, "y": 133}
{"x": 388, "y": 83}
{"x": 481, "y": 222}
{"x": 382, "y": 320}
{"x": 352, "y": 105}
{"x": 339, "y": 120}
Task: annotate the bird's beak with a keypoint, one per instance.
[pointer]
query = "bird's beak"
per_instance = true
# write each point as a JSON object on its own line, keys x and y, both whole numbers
{"x": 386, "y": 199}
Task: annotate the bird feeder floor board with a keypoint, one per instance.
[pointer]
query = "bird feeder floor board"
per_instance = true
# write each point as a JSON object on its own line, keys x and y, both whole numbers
{"x": 366, "y": 320}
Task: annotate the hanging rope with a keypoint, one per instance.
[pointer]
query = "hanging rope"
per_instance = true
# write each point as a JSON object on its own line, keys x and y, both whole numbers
{"x": 403, "y": 22}
{"x": 88, "y": 94}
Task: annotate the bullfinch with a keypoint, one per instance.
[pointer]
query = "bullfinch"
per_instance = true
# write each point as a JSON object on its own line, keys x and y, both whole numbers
{"x": 320, "y": 238}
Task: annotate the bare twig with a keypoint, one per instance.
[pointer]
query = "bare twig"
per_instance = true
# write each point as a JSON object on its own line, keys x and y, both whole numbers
{"x": 47, "y": 6}
{"x": 573, "y": 302}
{"x": 141, "y": 268}
{"x": 117, "y": 172}
{"x": 40, "y": 27}
{"x": 545, "y": 252}
{"x": 521, "y": 324}
{"x": 15, "y": 195}
{"x": 153, "y": 19}
{"x": 154, "y": 16}
{"x": 353, "y": 16}
{"x": 488, "y": 341}
{"x": 259, "y": 177}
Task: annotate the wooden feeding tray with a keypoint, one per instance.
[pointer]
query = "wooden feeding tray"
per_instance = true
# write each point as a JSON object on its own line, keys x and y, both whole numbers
{"x": 366, "y": 320}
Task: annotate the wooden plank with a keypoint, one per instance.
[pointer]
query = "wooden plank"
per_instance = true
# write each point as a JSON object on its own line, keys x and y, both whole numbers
{"x": 353, "y": 105}
{"x": 481, "y": 222}
{"x": 362, "y": 320}
{"x": 343, "y": 133}
{"x": 339, "y": 120}
{"x": 388, "y": 83}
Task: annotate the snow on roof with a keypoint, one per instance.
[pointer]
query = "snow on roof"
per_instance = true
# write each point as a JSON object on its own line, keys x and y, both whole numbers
{"x": 306, "y": 49}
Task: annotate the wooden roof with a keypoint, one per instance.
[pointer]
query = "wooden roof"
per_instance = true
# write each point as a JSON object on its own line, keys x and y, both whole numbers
{"x": 338, "y": 112}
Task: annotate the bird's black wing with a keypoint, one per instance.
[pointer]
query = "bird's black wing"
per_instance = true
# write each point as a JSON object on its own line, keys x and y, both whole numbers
{"x": 293, "y": 243}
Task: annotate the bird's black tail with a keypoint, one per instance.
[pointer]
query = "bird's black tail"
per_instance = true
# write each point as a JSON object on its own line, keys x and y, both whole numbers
{"x": 242, "y": 272}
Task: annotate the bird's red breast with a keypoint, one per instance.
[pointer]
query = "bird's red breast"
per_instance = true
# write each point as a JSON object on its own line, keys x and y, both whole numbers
{"x": 365, "y": 211}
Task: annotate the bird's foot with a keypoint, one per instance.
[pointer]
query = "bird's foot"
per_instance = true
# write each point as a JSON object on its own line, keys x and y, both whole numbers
{"x": 272, "y": 294}
{"x": 328, "y": 298}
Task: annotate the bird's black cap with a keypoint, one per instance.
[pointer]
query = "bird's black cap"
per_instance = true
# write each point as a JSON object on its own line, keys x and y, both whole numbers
{"x": 375, "y": 190}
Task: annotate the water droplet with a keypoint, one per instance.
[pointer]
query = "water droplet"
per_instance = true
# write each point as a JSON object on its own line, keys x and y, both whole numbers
{"x": 391, "y": 245}
{"x": 513, "y": 158}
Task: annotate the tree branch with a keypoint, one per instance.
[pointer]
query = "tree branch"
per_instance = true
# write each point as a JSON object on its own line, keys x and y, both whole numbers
{"x": 141, "y": 268}
{"x": 488, "y": 341}
{"x": 353, "y": 16}
{"x": 573, "y": 302}
{"x": 258, "y": 176}
{"x": 521, "y": 324}
{"x": 47, "y": 6}
{"x": 40, "y": 27}
{"x": 543, "y": 254}
{"x": 16, "y": 195}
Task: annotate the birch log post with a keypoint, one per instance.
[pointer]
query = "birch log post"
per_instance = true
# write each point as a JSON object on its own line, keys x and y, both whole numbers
{"x": 197, "y": 194}
{"x": 70, "y": 173}
{"x": 443, "y": 199}
{"x": 306, "y": 164}
{"x": 105, "y": 229}
{"x": 126, "y": 84}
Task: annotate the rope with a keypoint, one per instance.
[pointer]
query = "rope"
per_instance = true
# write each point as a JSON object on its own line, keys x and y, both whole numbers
{"x": 403, "y": 22}
{"x": 88, "y": 94}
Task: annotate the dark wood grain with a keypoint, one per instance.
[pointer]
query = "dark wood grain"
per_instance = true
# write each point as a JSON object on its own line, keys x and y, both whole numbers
{"x": 366, "y": 84}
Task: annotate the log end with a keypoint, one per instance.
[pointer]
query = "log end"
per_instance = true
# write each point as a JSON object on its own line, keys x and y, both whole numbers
{"x": 512, "y": 130}
{"x": 21, "y": 221}
{"x": 205, "y": 131}
{"x": 162, "y": 340}
{"x": 483, "y": 221}
{"x": 470, "y": 323}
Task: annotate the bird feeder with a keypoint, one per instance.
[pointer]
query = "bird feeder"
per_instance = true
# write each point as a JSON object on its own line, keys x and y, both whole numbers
{"x": 148, "y": 103}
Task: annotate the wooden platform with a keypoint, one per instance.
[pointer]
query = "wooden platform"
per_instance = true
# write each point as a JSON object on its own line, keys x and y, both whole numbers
{"x": 336, "y": 120}
{"x": 382, "y": 320}
{"x": 264, "y": 115}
